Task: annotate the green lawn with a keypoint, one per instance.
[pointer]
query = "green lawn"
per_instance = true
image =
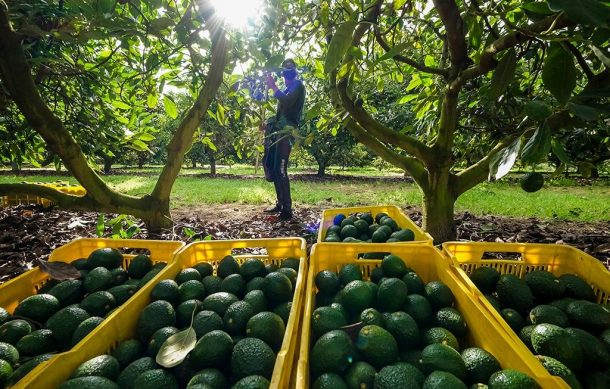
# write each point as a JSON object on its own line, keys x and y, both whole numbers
{"x": 578, "y": 203}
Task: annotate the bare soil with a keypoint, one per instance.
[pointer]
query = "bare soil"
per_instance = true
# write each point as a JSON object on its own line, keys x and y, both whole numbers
{"x": 31, "y": 232}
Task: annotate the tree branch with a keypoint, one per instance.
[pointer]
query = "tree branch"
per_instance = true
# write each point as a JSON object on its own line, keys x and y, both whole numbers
{"x": 340, "y": 97}
{"x": 477, "y": 173}
{"x": 581, "y": 61}
{"x": 380, "y": 131}
{"x": 451, "y": 18}
{"x": 183, "y": 138}
{"x": 488, "y": 62}
{"x": 413, "y": 166}
{"x": 401, "y": 58}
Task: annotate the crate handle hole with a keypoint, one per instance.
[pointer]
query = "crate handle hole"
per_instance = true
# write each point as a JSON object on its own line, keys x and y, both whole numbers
{"x": 372, "y": 255}
{"x": 250, "y": 251}
{"x": 503, "y": 255}
{"x": 133, "y": 251}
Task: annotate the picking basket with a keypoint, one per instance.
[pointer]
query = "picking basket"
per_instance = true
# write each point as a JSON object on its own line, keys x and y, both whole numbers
{"x": 430, "y": 265}
{"x": 121, "y": 325}
{"x": 393, "y": 211}
{"x": 27, "y": 284}
{"x": 526, "y": 257}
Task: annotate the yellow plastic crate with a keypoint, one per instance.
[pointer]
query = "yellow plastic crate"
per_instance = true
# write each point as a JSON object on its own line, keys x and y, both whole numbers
{"x": 557, "y": 259}
{"x": 120, "y": 325}
{"x": 430, "y": 264}
{"x": 393, "y": 211}
{"x": 27, "y": 284}
{"x": 75, "y": 190}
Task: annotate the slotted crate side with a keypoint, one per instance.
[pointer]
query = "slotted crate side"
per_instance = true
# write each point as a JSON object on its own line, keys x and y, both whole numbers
{"x": 430, "y": 264}
{"x": 393, "y": 211}
{"x": 76, "y": 190}
{"x": 120, "y": 325}
{"x": 277, "y": 249}
{"x": 27, "y": 284}
{"x": 557, "y": 259}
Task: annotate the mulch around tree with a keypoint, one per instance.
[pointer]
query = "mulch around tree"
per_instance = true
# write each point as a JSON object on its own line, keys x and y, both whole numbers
{"x": 30, "y": 232}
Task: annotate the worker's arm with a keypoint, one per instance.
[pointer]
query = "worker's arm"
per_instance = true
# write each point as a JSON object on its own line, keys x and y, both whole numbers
{"x": 287, "y": 98}
{"x": 291, "y": 95}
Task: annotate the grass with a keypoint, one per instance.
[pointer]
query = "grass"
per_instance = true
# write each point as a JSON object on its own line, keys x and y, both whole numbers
{"x": 568, "y": 202}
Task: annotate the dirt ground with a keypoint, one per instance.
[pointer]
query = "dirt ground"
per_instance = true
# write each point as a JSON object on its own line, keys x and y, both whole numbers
{"x": 31, "y": 232}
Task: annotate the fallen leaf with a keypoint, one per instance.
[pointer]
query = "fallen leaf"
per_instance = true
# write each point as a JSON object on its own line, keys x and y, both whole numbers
{"x": 59, "y": 270}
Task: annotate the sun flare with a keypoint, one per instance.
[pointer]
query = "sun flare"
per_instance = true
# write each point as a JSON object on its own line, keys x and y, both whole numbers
{"x": 238, "y": 13}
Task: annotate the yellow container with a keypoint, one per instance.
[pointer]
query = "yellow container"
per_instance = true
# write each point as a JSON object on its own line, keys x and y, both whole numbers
{"x": 121, "y": 324}
{"x": 430, "y": 264}
{"x": 27, "y": 284}
{"x": 75, "y": 190}
{"x": 527, "y": 257}
{"x": 393, "y": 211}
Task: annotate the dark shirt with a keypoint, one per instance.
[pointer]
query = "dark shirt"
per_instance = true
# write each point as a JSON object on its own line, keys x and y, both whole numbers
{"x": 291, "y": 102}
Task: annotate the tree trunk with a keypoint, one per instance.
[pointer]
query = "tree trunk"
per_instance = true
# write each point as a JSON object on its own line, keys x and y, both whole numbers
{"x": 193, "y": 163}
{"x": 439, "y": 203}
{"x": 107, "y": 165}
{"x": 141, "y": 160}
{"x": 15, "y": 166}
{"x": 321, "y": 168}
{"x": 212, "y": 164}
{"x": 156, "y": 215}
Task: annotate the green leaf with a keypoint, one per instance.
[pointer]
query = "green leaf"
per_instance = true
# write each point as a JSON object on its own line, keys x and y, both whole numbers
{"x": 105, "y": 6}
{"x": 170, "y": 107}
{"x": 537, "y": 110}
{"x": 145, "y": 137}
{"x": 559, "y": 73}
{"x": 584, "y": 112}
{"x": 559, "y": 151}
{"x": 220, "y": 115}
{"x": 406, "y": 99}
{"x": 399, "y": 48}
{"x": 538, "y": 146}
{"x": 588, "y": 12}
{"x": 537, "y": 7}
{"x": 100, "y": 225}
{"x": 504, "y": 74}
{"x": 152, "y": 101}
{"x": 502, "y": 162}
{"x": 161, "y": 23}
{"x": 339, "y": 44}
{"x": 138, "y": 145}
{"x": 601, "y": 54}
{"x": 120, "y": 105}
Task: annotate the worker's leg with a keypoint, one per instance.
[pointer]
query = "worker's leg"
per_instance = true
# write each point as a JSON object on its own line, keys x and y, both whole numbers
{"x": 283, "y": 184}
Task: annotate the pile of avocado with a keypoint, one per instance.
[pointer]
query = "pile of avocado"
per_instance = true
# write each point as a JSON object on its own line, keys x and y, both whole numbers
{"x": 239, "y": 315}
{"x": 363, "y": 227}
{"x": 557, "y": 318}
{"x": 401, "y": 333}
{"x": 63, "y": 313}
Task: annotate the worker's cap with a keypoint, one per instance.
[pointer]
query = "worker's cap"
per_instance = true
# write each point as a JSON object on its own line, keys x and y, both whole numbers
{"x": 289, "y": 64}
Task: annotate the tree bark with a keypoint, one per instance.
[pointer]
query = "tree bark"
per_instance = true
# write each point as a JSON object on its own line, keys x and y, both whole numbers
{"x": 107, "y": 165}
{"x": 212, "y": 164}
{"x": 321, "y": 168}
{"x": 439, "y": 203}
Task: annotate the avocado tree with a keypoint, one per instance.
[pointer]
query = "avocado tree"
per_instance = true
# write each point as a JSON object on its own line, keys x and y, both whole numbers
{"x": 129, "y": 55}
{"x": 506, "y": 75}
